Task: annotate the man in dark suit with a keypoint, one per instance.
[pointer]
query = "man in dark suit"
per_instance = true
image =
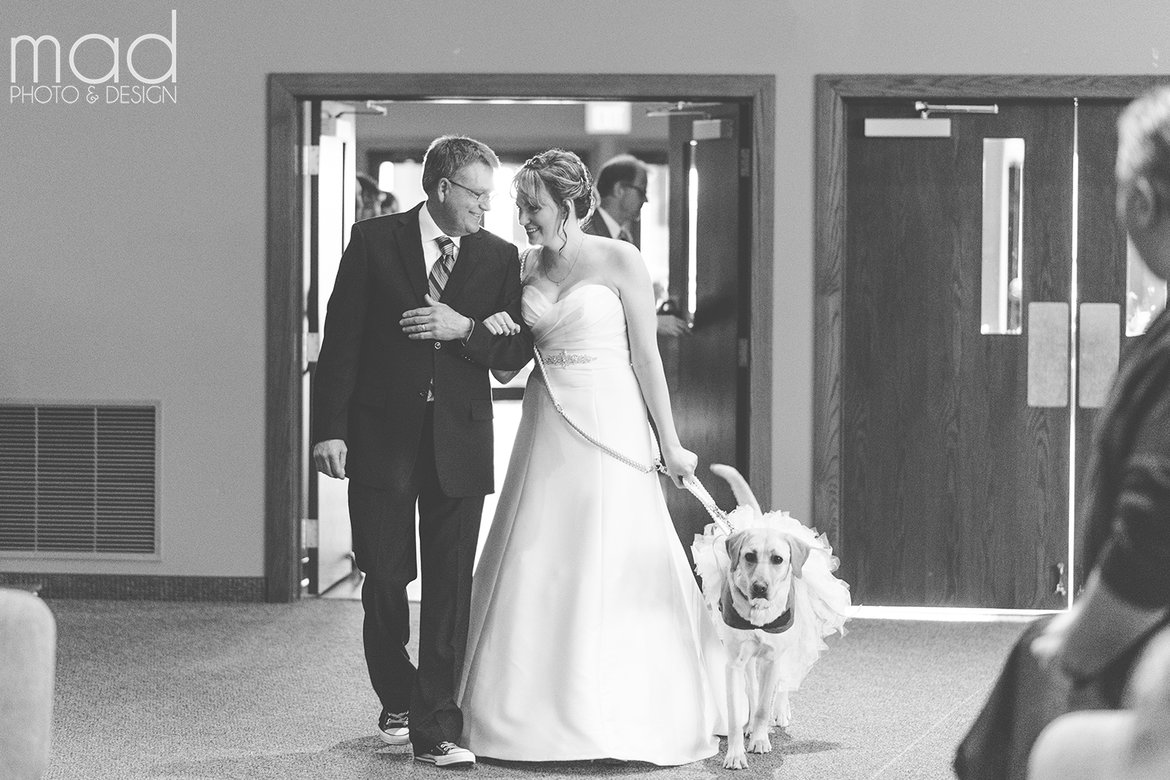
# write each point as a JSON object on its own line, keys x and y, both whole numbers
{"x": 402, "y": 407}
{"x": 621, "y": 191}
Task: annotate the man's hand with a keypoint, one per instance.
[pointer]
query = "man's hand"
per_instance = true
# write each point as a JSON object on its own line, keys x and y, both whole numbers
{"x": 329, "y": 457}
{"x": 435, "y": 322}
{"x": 670, "y": 325}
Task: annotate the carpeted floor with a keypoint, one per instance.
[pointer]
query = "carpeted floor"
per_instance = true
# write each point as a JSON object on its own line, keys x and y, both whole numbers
{"x": 177, "y": 690}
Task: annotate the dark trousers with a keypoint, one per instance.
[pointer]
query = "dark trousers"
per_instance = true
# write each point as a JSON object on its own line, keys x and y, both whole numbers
{"x": 383, "y": 541}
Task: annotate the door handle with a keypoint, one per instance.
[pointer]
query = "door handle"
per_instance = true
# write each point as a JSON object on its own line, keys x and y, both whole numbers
{"x": 1048, "y": 355}
{"x": 1098, "y": 351}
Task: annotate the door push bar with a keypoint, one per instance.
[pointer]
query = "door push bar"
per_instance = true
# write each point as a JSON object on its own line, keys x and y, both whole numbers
{"x": 1098, "y": 352}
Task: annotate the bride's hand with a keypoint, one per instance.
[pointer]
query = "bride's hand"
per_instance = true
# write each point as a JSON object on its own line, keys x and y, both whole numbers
{"x": 680, "y": 463}
{"x": 501, "y": 324}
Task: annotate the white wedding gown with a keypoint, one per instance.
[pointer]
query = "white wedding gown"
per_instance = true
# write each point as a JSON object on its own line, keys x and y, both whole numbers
{"x": 589, "y": 637}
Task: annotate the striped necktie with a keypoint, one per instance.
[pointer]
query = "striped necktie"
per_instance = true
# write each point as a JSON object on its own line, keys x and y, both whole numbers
{"x": 442, "y": 267}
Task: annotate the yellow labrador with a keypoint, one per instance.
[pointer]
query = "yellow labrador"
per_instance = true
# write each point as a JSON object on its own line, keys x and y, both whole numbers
{"x": 757, "y": 610}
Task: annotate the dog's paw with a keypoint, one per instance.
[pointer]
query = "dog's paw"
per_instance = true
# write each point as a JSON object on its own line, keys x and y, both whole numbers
{"x": 735, "y": 759}
{"x": 760, "y": 743}
{"x": 782, "y": 711}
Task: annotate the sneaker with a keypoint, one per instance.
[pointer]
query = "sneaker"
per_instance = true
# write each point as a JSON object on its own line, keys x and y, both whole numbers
{"x": 394, "y": 727}
{"x": 446, "y": 754}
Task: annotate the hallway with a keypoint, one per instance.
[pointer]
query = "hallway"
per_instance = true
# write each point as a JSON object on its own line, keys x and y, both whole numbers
{"x": 181, "y": 690}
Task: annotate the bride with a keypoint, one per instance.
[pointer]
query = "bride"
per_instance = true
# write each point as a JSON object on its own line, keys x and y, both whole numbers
{"x": 588, "y": 636}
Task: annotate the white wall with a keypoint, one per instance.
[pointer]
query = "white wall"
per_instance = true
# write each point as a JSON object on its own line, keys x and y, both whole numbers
{"x": 133, "y": 236}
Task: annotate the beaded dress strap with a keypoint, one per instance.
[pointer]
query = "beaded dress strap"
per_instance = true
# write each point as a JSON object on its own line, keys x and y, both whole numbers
{"x": 524, "y": 262}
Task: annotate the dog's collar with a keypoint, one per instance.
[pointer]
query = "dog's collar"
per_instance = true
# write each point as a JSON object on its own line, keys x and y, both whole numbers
{"x": 732, "y": 618}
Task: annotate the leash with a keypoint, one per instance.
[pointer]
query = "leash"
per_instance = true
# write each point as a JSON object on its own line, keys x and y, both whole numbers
{"x": 691, "y": 483}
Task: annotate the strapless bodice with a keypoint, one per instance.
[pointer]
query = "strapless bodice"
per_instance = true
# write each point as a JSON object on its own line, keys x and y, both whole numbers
{"x": 585, "y": 327}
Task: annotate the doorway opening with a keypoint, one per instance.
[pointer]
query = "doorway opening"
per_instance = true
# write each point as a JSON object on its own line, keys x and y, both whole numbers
{"x": 417, "y": 103}
{"x": 369, "y": 163}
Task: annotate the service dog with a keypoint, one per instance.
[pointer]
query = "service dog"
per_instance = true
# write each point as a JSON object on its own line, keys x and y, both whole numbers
{"x": 771, "y": 621}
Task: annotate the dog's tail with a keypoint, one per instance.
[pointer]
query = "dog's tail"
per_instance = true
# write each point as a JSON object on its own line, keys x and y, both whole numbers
{"x": 739, "y": 486}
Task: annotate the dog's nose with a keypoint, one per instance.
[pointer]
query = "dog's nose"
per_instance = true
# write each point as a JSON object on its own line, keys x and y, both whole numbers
{"x": 759, "y": 590}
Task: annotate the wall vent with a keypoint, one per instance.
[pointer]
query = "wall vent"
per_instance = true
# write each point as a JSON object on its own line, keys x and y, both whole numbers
{"x": 78, "y": 479}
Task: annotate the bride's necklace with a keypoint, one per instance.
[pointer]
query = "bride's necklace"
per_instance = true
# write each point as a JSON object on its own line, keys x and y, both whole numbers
{"x": 572, "y": 265}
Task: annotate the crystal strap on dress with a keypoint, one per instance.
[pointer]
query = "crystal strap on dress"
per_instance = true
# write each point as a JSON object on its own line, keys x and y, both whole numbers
{"x": 564, "y": 358}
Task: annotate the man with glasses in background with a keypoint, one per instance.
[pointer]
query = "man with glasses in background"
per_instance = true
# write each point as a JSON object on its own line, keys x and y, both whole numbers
{"x": 621, "y": 190}
{"x": 402, "y": 407}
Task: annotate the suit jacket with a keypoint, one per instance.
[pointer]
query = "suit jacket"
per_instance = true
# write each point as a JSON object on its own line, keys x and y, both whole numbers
{"x": 371, "y": 381}
{"x": 596, "y": 226}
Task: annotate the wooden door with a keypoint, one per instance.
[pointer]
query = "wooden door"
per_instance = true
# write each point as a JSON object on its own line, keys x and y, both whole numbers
{"x": 955, "y": 490}
{"x": 707, "y": 370}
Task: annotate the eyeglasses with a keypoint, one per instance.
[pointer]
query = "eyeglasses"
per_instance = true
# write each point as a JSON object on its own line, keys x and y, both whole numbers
{"x": 640, "y": 190}
{"x": 484, "y": 197}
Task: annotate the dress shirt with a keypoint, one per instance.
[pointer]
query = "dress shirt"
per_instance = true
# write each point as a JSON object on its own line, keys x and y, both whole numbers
{"x": 430, "y": 231}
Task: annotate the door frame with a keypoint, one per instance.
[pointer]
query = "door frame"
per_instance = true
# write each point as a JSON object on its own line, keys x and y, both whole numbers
{"x": 284, "y": 348}
{"x": 832, "y": 93}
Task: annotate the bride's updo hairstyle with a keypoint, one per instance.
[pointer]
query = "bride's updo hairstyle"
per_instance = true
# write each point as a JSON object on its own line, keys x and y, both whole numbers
{"x": 565, "y": 178}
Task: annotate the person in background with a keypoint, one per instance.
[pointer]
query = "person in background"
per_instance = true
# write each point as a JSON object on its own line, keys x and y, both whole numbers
{"x": 621, "y": 190}
{"x": 390, "y": 204}
{"x": 373, "y": 201}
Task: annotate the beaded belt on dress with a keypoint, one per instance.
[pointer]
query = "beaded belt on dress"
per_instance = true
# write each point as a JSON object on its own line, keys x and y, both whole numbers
{"x": 564, "y": 358}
